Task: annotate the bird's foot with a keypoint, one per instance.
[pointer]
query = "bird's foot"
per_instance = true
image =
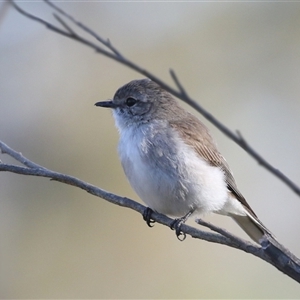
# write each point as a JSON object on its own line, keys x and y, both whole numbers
{"x": 147, "y": 216}
{"x": 176, "y": 225}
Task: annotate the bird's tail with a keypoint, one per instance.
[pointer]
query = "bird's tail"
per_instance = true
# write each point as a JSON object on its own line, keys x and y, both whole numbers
{"x": 252, "y": 226}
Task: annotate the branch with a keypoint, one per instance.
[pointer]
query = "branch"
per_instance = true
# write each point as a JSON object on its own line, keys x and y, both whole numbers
{"x": 3, "y": 11}
{"x": 114, "y": 54}
{"x": 277, "y": 255}
{"x": 34, "y": 169}
{"x": 270, "y": 251}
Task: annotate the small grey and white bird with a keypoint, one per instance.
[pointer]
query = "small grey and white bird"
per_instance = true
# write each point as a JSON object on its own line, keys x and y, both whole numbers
{"x": 171, "y": 160}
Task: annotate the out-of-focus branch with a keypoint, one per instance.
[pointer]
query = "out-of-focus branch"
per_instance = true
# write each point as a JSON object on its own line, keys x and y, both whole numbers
{"x": 270, "y": 251}
{"x": 110, "y": 51}
{"x": 3, "y": 11}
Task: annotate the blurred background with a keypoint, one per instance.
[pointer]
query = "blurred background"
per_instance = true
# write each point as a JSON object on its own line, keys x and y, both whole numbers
{"x": 239, "y": 60}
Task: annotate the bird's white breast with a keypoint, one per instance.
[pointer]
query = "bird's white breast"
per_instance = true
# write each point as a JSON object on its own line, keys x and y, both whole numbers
{"x": 171, "y": 181}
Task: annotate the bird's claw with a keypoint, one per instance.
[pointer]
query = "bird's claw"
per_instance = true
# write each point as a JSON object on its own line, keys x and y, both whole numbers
{"x": 176, "y": 225}
{"x": 147, "y": 216}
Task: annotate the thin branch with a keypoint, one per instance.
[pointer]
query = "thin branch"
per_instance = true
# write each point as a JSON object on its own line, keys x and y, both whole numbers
{"x": 64, "y": 33}
{"x": 37, "y": 19}
{"x": 181, "y": 94}
{"x": 223, "y": 232}
{"x": 180, "y": 87}
{"x": 64, "y": 24}
{"x": 245, "y": 145}
{"x": 107, "y": 42}
{"x": 3, "y": 11}
{"x": 5, "y": 149}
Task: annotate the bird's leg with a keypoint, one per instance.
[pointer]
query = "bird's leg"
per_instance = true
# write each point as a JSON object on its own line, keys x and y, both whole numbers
{"x": 176, "y": 225}
{"x": 147, "y": 216}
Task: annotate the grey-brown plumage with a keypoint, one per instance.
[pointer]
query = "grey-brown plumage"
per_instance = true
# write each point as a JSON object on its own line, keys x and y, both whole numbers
{"x": 190, "y": 129}
{"x": 171, "y": 159}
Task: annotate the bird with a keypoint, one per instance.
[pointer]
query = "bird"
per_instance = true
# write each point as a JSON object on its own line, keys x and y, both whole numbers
{"x": 171, "y": 160}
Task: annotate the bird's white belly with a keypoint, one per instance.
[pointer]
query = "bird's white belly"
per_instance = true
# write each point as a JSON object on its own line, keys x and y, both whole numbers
{"x": 173, "y": 186}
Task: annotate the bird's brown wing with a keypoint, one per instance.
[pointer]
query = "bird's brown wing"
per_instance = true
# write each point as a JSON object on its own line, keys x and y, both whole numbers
{"x": 195, "y": 134}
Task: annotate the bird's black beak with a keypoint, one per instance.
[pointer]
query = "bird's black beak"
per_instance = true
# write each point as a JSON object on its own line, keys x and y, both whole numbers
{"x": 108, "y": 104}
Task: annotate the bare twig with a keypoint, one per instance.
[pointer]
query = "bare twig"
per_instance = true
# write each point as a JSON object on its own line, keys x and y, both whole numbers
{"x": 177, "y": 82}
{"x": 107, "y": 42}
{"x": 64, "y": 24}
{"x": 222, "y": 231}
{"x": 245, "y": 145}
{"x": 18, "y": 157}
{"x": 3, "y": 11}
{"x": 272, "y": 248}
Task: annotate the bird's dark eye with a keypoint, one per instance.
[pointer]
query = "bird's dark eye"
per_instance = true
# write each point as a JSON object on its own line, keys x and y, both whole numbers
{"x": 130, "y": 101}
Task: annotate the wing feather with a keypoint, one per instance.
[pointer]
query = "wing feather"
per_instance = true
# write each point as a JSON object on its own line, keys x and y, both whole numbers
{"x": 195, "y": 134}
